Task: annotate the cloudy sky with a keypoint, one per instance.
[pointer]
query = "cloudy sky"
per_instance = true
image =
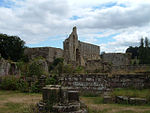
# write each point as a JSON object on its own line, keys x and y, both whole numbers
{"x": 112, "y": 24}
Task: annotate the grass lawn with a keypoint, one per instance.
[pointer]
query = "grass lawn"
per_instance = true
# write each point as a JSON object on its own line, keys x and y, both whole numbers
{"x": 16, "y": 102}
{"x": 143, "y": 93}
{"x": 95, "y": 105}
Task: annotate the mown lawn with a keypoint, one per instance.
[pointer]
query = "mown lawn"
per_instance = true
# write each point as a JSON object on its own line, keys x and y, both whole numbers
{"x": 143, "y": 93}
{"x": 96, "y": 105}
{"x": 16, "y": 102}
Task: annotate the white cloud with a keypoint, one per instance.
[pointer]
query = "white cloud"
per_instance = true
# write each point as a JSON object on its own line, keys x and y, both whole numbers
{"x": 37, "y": 20}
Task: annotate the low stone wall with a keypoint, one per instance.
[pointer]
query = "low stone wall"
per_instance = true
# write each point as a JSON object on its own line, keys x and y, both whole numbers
{"x": 86, "y": 82}
{"x": 131, "y": 68}
{"x": 101, "y": 82}
{"x": 141, "y": 80}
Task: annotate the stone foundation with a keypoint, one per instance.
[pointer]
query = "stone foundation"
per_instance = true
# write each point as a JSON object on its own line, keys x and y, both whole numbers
{"x": 59, "y": 99}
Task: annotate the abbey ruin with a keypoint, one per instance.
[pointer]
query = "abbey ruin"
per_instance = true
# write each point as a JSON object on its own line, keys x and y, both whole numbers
{"x": 78, "y": 53}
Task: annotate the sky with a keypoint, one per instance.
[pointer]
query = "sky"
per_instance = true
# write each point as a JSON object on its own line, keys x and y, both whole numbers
{"x": 114, "y": 25}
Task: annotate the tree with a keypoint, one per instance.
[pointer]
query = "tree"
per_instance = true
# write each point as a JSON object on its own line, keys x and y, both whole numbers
{"x": 142, "y": 43}
{"x": 133, "y": 51}
{"x": 142, "y": 52}
{"x": 146, "y": 42}
{"x": 11, "y": 47}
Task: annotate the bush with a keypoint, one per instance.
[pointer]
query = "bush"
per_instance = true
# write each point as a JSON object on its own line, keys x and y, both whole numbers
{"x": 79, "y": 69}
{"x": 23, "y": 66}
{"x": 35, "y": 68}
{"x": 68, "y": 68}
{"x": 51, "y": 81}
{"x": 35, "y": 87}
{"x": 9, "y": 83}
{"x": 23, "y": 86}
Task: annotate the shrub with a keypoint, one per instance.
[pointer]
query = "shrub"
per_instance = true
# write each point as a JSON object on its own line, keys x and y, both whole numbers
{"x": 35, "y": 87}
{"x": 57, "y": 66}
{"x": 9, "y": 83}
{"x": 51, "y": 80}
{"x": 68, "y": 68}
{"x": 35, "y": 68}
{"x": 23, "y": 86}
{"x": 23, "y": 66}
{"x": 79, "y": 69}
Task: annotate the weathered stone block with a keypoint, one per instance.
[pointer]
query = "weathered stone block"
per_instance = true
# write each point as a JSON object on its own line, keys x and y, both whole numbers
{"x": 51, "y": 94}
{"x": 122, "y": 100}
{"x": 73, "y": 96}
{"x": 107, "y": 99}
{"x": 137, "y": 101}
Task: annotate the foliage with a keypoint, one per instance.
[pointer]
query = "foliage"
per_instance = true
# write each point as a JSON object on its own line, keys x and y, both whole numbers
{"x": 51, "y": 80}
{"x": 35, "y": 68}
{"x": 57, "y": 66}
{"x": 142, "y": 53}
{"x": 35, "y": 88}
{"x": 11, "y": 47}
{"x": 134, "y": 51}
{"x": 68, "y": 68}
{"x": 9, "y": 83}
{"x": 79, "y": 69}
{"x": 24, "y": 67}
{"x": 23, "y": 86}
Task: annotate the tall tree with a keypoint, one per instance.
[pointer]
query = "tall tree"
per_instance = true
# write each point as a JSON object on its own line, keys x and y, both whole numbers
{"x": 11, "y": 47}
{"x": 146, "y": 42}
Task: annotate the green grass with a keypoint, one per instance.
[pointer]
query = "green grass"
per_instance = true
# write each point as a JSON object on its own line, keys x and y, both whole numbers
{"x": 16, "y": 102}
{"x": 144, "y": 93}
{"x": 96, "y": 105}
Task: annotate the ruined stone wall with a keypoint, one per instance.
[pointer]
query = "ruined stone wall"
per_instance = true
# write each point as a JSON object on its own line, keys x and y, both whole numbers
{"x": 71, "y": 47}
{"x": 49, "y": 53}
{"x": 100, "y": 82}
{"x": 7, "y": 68}
{"x": 131, "y": 68}
{"x": 89, "y": 51}
{"x": 86, "y": 82}
{"x": 117, "y": 59}
{"x": 76, "y": 52}
{"x": 141, "y": 80}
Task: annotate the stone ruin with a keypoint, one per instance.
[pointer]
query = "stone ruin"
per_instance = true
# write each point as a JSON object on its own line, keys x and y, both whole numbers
{"x": 79, "y": 53}
{"x": 117, "y": 59}
{"x": 59, "y": 99}
{"x": 8, "y": 68}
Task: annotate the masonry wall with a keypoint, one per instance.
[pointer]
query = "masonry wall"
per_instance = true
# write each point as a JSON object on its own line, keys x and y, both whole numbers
{"x": 78, "y": 53}
{"x": 49, "y": 53}
{"x": 100, "y": 82}
{"x": 8, "y": 68}
{"x": 117, "y": 59}
{"x": 89, "y": 51}
{"x": 86, "y": 82}
{"x": 131, "y": 68}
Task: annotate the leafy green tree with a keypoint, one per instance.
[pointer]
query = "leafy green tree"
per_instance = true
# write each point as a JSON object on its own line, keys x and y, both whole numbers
{"x": 146, "y": 42}
{"x": 142, "y": 52}
{"x": 11, "y": 47}
{"x": 57, "y": 66}
{"x": 133, "y": 51}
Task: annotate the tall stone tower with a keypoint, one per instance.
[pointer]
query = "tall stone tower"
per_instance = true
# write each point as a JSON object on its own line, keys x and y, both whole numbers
{"x": 77, "y": 52}
{"x": 71, "y": 47}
